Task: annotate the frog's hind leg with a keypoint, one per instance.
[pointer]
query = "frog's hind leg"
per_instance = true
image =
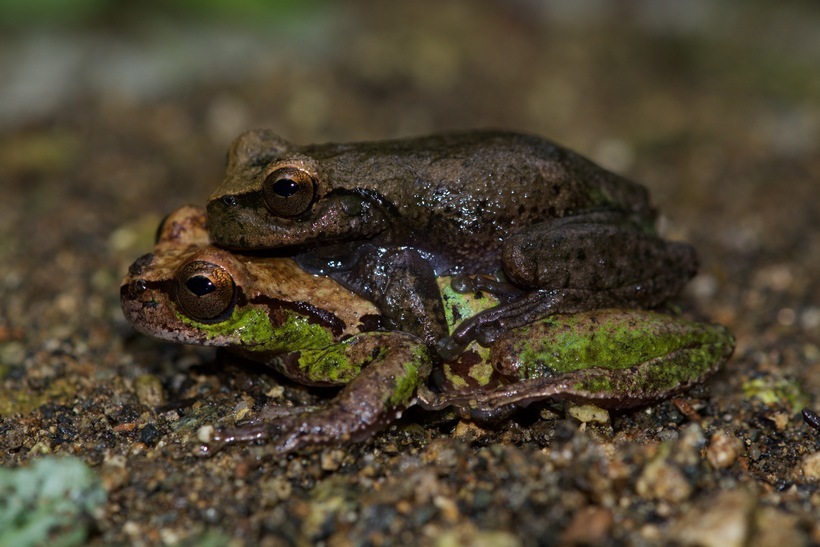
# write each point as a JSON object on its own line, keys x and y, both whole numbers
{"x": 394, "y": 363}
{"x": 576, "y": 264}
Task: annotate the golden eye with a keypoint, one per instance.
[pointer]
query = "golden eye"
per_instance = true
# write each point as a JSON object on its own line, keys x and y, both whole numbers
{"x": 289, "y": 192}
{"x": 205, "y": 291}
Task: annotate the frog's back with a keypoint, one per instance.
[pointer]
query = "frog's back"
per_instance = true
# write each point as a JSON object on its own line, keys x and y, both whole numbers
{"x": 469, "y": 184}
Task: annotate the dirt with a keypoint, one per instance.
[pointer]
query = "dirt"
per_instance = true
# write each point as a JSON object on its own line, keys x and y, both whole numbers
{"x": 109, "y": 123}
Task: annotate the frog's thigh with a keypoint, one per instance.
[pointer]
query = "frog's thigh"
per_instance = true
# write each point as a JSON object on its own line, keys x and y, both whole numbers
{"x": 562, "y": 255}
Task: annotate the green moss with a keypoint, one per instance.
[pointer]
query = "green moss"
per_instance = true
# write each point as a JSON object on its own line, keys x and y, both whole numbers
{"x": 772, "y": 391}
{"x": 48, "y": 503}
{"x": 17, "y": 401}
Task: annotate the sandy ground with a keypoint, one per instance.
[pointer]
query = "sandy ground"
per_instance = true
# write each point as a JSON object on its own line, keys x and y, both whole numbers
{"x": 108, "y": 125}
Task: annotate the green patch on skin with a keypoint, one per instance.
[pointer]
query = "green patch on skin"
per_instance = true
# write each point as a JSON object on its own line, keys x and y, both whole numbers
{"x": 321, "y": 358}
{"x": 482, "y": 372}
{"x": 459, "y": 306}
{"x": 473, "y": 363}
{"x": 613, "y": 342}
{"x": 598, "y": 384}
{"x": 454, "y": 379}
{"x": 330, "y": 364}
{"x": 251, "y": 327}
{"x": 665, "y": 373}
{"x": 681, "y": 367}
{"x": 406, "y": 384}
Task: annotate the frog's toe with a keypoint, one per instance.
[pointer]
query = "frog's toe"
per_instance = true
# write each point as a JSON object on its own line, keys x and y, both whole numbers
{"x": 448, "y": 349}
{"x": 232, "y": 435}
{"x": 503, "y": 290}
{"x": 208, "y": 450}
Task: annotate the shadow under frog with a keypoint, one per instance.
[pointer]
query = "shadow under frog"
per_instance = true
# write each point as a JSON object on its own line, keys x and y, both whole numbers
{"x": 386, "y": 218}
{"x": 313, "y": 330}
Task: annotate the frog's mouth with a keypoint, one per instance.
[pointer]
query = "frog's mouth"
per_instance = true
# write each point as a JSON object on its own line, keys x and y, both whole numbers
{"x": 150, "y": 315}
{"x": 139, "y": 306}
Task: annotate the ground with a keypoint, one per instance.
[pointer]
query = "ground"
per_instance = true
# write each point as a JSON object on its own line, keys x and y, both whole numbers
{"x": 112, "y": 118}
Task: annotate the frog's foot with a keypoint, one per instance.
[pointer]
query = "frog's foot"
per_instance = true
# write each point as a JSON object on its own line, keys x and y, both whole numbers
{"x": 275, "y": 412}
{"x": 395, "y": 364}
{"x": 488, "y": 325}
{"x": 477, "y": 404}
{"x": 281, "y": 436}
{"x": 333, "y": 424}
{"x": 263, "y": 426}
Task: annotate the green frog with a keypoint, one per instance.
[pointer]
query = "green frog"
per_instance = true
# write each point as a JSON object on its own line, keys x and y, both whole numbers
{"x": 386, "y": 219}
{"x": 315, "y": 331}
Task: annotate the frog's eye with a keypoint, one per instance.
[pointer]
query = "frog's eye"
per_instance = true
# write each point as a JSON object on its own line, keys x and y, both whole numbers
{"x": 205, "y": 291}
{"x": 289, "y": 191}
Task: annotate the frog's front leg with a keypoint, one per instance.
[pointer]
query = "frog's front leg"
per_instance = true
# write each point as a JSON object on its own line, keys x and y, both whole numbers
{"x": 393, "y": 365}
{"x": 602, "y": 259}
{"x": 402, "y": 284}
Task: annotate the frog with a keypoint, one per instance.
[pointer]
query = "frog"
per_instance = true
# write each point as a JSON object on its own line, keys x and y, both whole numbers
{"x": 313, "y": 330}
{"x": 386, "y": 218}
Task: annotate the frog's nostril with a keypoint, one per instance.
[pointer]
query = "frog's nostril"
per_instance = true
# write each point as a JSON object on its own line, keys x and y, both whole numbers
{"x": 137, "y": 287}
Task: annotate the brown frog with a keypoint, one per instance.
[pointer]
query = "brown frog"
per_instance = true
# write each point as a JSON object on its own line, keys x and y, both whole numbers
{"x": 386, "y": 218}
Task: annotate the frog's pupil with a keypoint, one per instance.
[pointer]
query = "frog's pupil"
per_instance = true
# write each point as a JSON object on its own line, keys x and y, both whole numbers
{"x": 200, "y": 285}
{"x": 285, "y": 187}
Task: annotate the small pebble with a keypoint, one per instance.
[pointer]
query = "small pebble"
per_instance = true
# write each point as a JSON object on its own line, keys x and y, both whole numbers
{"x": 149, "y": 390}
{"x": 725, "y": 521}
{"x": 589, "y": 413}
{"x": 205, "y": 433}
{"x": 663, "y": 481}
{"x": 723, "y": 450}
{"x": 590, "y": 526}
{"x": 811, "y": 466}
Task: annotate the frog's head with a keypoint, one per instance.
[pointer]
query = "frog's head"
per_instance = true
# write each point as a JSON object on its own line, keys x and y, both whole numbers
{"x": 191, "y": 292}
{"x": 277, "y": 195}
{"x": 185, "y": 290}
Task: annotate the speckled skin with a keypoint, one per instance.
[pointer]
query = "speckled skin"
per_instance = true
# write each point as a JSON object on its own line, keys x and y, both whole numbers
{"x": 388, "y": 217}
{"x": 316, "y": 332}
